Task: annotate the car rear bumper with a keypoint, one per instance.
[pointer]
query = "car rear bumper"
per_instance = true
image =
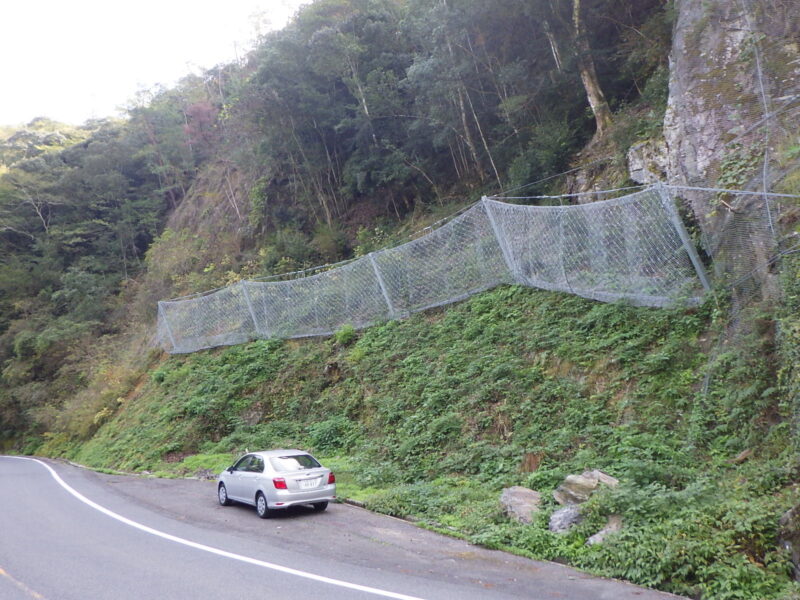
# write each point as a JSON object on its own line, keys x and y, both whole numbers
{"x": 284, "y": 498}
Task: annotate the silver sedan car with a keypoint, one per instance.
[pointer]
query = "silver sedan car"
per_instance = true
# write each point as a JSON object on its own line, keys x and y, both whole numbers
{"x": 275, "y": 480}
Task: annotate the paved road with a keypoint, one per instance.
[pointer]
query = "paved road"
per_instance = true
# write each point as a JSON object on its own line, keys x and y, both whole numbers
{"x": 69, "y": 533}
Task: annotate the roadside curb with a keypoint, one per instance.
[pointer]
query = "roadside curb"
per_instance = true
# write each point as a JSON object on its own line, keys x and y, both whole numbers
{"x": 356, "y": 503}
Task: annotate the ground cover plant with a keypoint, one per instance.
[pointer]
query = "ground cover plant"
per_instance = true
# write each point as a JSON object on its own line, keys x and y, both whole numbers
{"x": 430, "y": 417}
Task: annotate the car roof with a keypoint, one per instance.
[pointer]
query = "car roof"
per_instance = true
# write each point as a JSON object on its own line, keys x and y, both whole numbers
{"x": 273, "y": 453}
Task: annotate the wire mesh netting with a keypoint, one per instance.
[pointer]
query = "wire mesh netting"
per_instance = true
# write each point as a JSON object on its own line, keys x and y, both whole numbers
{"x": 744, "y": 243}
{"x": 633, "y": 249}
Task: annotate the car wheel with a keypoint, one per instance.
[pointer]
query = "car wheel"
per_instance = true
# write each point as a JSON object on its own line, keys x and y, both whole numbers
{"x": 320, "y": 506}
{"x": 262, "y": 509}
{"x": 222, "y": 495}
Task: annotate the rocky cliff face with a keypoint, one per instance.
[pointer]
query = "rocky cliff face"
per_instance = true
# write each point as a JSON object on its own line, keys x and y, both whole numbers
{"x": 734, "y": 80}
{"x": 734, "y": 98}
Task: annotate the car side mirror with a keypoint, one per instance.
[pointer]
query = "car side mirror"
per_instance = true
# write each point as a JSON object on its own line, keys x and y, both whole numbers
{"x": 230, "y": 469}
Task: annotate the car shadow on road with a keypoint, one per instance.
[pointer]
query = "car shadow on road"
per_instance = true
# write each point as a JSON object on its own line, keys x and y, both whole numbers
{"x": 291, "y": 512}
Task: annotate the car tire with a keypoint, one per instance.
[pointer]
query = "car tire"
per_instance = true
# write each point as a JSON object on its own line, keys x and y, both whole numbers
{"x": 262, "y": 508}
{"x": 222, "y": 495}
{"x": 320, "y": 506}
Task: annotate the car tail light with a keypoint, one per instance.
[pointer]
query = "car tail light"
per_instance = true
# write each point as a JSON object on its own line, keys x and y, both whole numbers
{"x": 279, "y": 483}
{"x": 331, "y": 478}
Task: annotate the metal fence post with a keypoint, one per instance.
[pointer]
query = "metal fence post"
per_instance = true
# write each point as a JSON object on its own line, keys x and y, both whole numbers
{"x": 563, "y": 253}
{"x": 501, "y": 241}
{"x": 669, "y": 206}
{"x": 243, "y": 285}
{"x": 163, "y": 314}
{"x": 384, "y": 291}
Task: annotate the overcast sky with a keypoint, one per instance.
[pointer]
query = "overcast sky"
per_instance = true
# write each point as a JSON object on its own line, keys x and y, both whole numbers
{"x": 72, "y": 60}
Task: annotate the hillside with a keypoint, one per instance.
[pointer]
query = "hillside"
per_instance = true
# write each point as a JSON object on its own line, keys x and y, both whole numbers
{"x": 357, "y": 124}
{"x": 432, "y": 416}
{"x": 360, "y": 125}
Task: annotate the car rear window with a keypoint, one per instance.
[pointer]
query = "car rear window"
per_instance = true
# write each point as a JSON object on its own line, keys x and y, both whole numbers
{"x": 294, "y": 462}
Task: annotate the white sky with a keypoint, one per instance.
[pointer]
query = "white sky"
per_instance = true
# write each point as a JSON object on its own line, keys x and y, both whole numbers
{"x": 71, "y": 60}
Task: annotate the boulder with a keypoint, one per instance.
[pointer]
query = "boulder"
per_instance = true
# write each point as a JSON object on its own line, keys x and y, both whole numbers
{"x": 564, "y": 518}
{"x": 601, "y": 477}
{"x": 576, "y": 489}
{"x": 613, "y": 525}
{"x": 520, "y": 503}
{"x": 648, "y": 161}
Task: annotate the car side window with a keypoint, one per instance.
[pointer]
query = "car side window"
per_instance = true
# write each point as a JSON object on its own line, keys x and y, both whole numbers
{"x": 243, "y": 464}
{"x": 257, "y": 465}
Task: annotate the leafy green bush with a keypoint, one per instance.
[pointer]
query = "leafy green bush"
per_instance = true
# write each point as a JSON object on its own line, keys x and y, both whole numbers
{"x": 345, "y": 335}
{"x": 334, "y": 434}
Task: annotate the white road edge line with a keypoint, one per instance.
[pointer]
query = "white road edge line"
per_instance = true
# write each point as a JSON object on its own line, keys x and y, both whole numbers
{"x": 217, "y": 551}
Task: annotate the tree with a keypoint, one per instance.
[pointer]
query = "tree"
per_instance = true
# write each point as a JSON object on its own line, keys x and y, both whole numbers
{"x": 597, "y": 100}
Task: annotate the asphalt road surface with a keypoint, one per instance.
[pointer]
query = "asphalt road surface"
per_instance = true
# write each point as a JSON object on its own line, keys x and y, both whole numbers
{"x": 70, "y": 533}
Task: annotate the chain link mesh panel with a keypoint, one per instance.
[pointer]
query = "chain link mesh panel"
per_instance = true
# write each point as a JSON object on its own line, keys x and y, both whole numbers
{"x": 627, "y": 248}
{"x": 451, "y": 263}
{"x": 623, "y": 249}
{"x": 320, "y": 304}
{"x": 220, "y": 318}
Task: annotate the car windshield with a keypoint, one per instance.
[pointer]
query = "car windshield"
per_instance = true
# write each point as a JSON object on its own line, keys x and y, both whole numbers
{"x": 295, "y": 462}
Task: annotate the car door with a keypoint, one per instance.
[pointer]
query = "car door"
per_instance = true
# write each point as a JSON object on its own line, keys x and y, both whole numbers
{"x": 235, "y": 481}
{"x": 250, "y": 477}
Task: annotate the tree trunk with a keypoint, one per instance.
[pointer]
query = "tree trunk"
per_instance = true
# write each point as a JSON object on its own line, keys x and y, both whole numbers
{"x": 551, "y": 38}
{"x": 462, "y": 109}
{"x": 318, "y": 187}
{"x": 362, "y": 97}
{"x": 467, "y": 133}
{"x": 597, "y": 100}
{"x": 483, "y": 140}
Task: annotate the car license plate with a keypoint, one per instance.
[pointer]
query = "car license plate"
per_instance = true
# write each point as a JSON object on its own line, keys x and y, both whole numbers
{"x": 307, "y": 484}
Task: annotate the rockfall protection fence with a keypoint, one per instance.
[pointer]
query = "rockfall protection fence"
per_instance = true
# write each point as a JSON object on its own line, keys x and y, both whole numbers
{"x": 634, "y": 249}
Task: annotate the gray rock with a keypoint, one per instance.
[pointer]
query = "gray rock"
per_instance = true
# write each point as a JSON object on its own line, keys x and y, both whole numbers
{"x": 648, "y": 161}
{"x": 564, "y": 518}
{"x": 613, "y": 525}
{"x": 205, "y": 474}
{"x": 520, "y": 503}
{"x": 576, "y": 489}
{"x": 601, "y": 477}
{"x": 714, "y": 90}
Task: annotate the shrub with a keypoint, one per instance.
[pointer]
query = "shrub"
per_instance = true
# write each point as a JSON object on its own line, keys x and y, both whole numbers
{"x": 345, "y": 335}
{"x": 334, "y": 434}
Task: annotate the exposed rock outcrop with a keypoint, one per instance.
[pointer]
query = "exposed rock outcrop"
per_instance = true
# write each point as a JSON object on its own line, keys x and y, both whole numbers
{"x": 733, "y": 95}
{"x": 721, "y": 87}
{"x": 520, "y": 503}
{"x": 647, "y": 161}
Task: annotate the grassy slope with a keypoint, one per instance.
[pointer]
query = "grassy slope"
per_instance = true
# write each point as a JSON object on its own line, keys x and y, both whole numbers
{"x": 432, "y": 416}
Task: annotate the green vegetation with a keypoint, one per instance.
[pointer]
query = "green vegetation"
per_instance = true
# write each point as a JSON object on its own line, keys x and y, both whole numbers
{"x": 429, "y": 418}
